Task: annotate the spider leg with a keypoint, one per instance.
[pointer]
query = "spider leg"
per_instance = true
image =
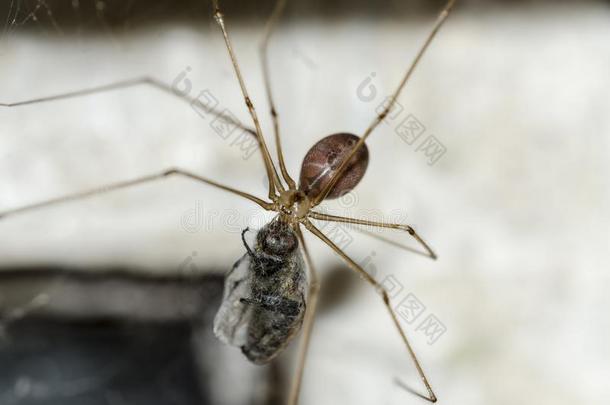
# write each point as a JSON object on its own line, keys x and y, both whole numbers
{"x": 310, "y": 313}
{"x": 273, "y": 178}
{"x": 269, "y": 28}
{"x": 386, "y": 301}
{"x": 129, "y": 183}
{"x": 123, "y": 84}
{"x": 381, "y": 116}
{"x": 402, "y": 227}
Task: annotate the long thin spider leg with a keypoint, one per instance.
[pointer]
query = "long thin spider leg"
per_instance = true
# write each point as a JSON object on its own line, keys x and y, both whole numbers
{"x": 392, "y": 242}
{"x": 273, "y": 178}
{"x": 439, "y": 22}
{"x": 402, "y": 227}
{"x": 139, "y": 81}
{"x": 386, "y": 300}
{"x": 310, "y": 314}
{"x": 146, "y": 80}
{"x": 129, "y": 183}
{"x": 269, "y": 28}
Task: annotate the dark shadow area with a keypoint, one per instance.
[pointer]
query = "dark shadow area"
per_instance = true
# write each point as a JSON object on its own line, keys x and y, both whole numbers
{"x": 109, "y": 292}
{"x": 338, "y": 284}
{"x": 61, "y": 17}
{"x": 110, "y": 336}
{"x": 410, "y": 390}
{"x": 56, "y": 362}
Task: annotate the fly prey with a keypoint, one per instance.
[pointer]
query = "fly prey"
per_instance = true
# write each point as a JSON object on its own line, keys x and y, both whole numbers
{"x": 265, "y": 292}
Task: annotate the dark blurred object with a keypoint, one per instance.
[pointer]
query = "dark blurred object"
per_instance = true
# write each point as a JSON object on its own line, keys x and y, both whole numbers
{"x": 108, "y": 293}
{"x": 61, "y": 17}
{"x": 70, "y": 337}
{"x": 55, "y": 362}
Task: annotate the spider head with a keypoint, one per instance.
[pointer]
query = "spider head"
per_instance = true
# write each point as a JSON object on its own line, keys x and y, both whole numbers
{"x": 294, "y": 203}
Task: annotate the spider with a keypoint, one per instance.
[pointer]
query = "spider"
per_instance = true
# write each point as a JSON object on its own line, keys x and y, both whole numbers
{"x": 271, "y": 292}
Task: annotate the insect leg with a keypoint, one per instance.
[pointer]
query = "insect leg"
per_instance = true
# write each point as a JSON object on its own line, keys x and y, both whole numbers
{"x": 380, "y": 117}
{"x": 401, "y": 227}
{"x": 243, "y": 239}
{"x": 129, "y": 183}
{"x": 310, "y": 313}
{"x": 269, "y": 28}
{"x": 272, "y": 175}
{"x": 386, "y": 301}
{"x": 146, "y": 80}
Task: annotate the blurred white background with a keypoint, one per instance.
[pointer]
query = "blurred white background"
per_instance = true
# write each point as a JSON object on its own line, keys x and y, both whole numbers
{"x": 516, "y": 208}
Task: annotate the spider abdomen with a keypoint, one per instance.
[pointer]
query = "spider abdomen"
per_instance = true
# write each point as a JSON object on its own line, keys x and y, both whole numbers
{"x": 323, "y": 160}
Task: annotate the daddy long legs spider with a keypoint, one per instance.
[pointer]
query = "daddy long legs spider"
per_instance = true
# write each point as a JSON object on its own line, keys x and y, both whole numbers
{"x": 271, "y": 292}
